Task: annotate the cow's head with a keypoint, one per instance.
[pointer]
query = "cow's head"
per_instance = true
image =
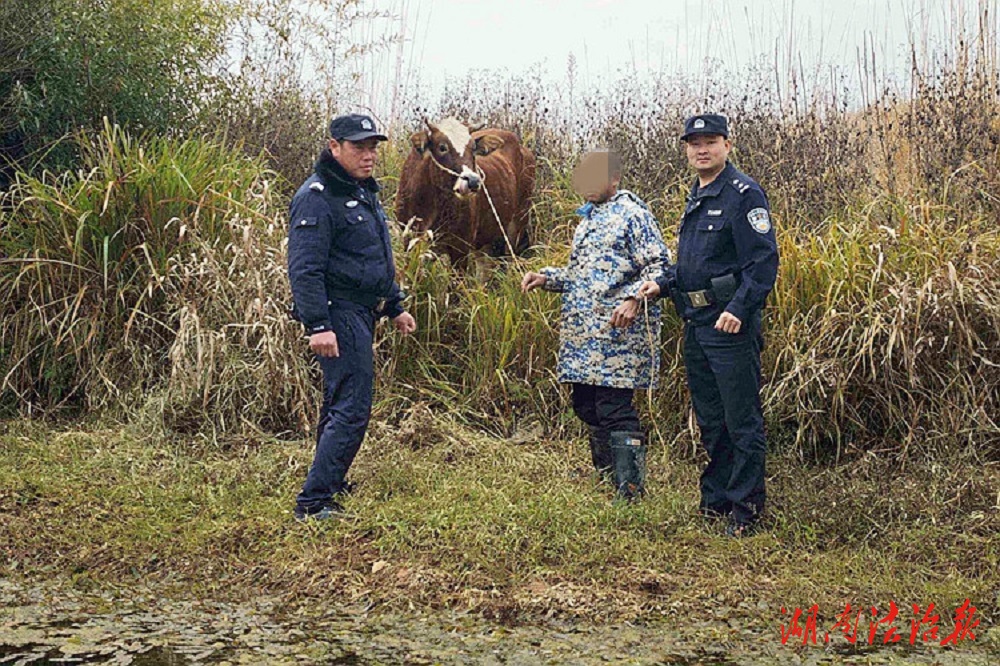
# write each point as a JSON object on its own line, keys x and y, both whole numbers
{"x": 450, "y": 144}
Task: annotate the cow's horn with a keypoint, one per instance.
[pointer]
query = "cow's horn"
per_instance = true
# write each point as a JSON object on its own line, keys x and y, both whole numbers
{"x": 429, "y": 124}
{"x": 475, "y": 127}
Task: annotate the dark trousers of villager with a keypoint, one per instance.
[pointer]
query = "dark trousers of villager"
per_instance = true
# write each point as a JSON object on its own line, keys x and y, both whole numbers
{"x": 723, "y": 372}
{"x": 605, "y": 409}
{"x": 348, "y": 382}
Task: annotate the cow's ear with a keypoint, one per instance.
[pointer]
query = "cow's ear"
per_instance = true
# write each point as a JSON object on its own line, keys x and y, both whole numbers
{"x": 487, "y": 143}
{"x": 419, "y": 140}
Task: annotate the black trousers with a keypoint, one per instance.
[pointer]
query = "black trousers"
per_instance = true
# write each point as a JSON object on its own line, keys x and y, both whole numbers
{"x": 348, "y": 381}
{"x": 723, "y": 372}
{"x": 606, "y": 408}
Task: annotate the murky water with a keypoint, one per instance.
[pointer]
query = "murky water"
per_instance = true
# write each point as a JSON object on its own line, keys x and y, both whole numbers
{"x": 38, "y": 655}
{"x": 55, "y": 626}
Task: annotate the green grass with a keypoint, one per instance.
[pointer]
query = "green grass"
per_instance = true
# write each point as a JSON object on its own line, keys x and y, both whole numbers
{"x": 449, "y": 517}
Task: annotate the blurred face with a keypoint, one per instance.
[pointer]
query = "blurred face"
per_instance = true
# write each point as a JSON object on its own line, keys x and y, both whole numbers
{"x": 593, "y": 180}
{"x": 707, "y": 153}
{"x": 357, "y": 157}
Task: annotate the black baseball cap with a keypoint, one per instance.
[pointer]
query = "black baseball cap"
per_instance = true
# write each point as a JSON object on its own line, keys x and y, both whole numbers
{"x": 709, "y": 123}
{"x": 354, "y": 127}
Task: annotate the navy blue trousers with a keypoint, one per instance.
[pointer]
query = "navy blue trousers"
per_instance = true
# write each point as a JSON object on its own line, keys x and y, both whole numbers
{"x": 723, "y": 372}
{"x": 348, "y": 383}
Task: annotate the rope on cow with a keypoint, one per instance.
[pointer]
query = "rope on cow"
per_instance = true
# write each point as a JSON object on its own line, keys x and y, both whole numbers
{"x": 653, "y": 351}
{"x": 520, "y": 263}
{"x": 444, "y": 168}
{"x": 496, "y": 216}
{"x": 506, "y": 238}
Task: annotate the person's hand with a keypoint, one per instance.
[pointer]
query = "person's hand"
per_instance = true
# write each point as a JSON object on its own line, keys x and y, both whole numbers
{"x": 625, "y": 314}
{"x": 324, "y": 344}
{"x": 649, "y": 289}
{"x": 405, "y": 323}
{"x": 728, "y": 323}
{"x": 532, "y": 281}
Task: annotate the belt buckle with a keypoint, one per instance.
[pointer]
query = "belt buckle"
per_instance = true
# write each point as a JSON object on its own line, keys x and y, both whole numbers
{"x": 699, "y": 299}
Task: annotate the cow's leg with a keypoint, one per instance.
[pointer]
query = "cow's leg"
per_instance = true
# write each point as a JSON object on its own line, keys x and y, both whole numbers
{"x": 523, "y": 241}
{"x": 498, "y": 247}
{"x": 483, "y": 266}
{"x": 525, "y": 193}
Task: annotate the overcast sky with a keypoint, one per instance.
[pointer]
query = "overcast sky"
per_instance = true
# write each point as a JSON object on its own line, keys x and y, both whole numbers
{"x": 606, "y": 35}
{"x": 446, "y": 38}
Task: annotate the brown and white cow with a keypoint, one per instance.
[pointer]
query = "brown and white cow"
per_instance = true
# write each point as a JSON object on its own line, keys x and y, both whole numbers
{"x": 440, "y": 188}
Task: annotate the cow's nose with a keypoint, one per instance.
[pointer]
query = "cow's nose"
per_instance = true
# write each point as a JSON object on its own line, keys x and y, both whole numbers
{"x": 474, "y": 183}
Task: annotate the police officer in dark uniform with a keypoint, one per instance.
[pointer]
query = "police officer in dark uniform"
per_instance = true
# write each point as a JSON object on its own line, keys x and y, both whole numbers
{"x": 727, "y": 262}
{"x": 343, "y": 279}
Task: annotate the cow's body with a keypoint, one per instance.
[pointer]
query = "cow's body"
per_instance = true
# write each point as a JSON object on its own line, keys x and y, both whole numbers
{"x": 464, "y": 222}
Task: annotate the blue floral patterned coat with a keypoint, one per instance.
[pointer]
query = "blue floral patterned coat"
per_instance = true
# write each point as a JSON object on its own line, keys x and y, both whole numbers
{"x": 616, "y": 247}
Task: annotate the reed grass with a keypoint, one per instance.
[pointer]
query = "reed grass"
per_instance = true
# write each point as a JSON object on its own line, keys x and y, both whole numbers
{"x": 149, "y": 283}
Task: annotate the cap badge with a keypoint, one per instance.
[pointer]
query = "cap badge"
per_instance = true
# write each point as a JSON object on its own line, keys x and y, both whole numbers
{"x": 366, "y": 124}
{"x": 699, "y": 124}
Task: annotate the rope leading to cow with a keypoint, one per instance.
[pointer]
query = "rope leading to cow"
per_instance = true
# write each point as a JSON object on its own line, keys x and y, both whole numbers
{"x": 653, "y": 351}
{"x": 486, "y": 191}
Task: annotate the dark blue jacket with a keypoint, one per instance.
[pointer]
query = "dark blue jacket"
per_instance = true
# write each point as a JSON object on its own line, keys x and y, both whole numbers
{"x": 339, "y": 246}
{"x": 726, "y": 229}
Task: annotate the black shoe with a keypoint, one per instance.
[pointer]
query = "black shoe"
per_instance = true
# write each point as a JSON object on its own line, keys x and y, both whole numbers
{"x": 329, "y": 511}
{"x": 737, "y": 530}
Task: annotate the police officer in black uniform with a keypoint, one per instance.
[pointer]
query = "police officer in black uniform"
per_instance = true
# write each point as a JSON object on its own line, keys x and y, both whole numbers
{"x": 727, "y": 262}
{"x": 343, "y": 279}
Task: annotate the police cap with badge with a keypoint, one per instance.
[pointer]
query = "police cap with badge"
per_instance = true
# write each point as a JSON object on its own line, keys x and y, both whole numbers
{"x": 709, "y": 123}
{"x": 355, "y": 127}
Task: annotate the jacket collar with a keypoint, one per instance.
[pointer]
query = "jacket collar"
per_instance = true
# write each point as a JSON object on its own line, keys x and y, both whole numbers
{"x": 628, "y": 195}
{"x": 715, "y": 187}
{"x": 588, "y": 207}
{"x": 336, "y": 180}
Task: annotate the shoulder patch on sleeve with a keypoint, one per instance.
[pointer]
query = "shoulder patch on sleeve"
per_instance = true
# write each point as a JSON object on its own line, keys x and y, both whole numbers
{"x": 316, "y": 187}
{"x": 760, "y": 220}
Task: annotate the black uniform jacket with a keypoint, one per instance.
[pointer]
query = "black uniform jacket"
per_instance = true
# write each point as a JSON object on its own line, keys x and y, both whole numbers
{"x": 726, "y": 230}
{"x": 339, "y": 246}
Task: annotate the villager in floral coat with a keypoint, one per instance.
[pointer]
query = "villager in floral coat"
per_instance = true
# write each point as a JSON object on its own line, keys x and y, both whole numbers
{"x": 608, "y": 344}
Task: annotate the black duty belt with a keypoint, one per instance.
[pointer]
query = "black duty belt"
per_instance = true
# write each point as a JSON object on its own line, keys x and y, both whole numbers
{"x": 376, "y": 303}
{"x": 699, "y": 299}
{"x": 722, "y": 290}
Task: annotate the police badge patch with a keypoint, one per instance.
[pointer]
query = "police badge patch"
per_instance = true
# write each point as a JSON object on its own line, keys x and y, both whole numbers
{"x": 366, "y": 124}
{"x": 759, "y": 220}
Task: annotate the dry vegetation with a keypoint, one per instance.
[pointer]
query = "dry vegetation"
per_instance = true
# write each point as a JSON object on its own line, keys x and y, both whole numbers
{"x": 145, "y": 288}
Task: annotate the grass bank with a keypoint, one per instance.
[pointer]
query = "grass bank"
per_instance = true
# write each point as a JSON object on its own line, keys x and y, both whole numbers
{"x": 514, "y": 528}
